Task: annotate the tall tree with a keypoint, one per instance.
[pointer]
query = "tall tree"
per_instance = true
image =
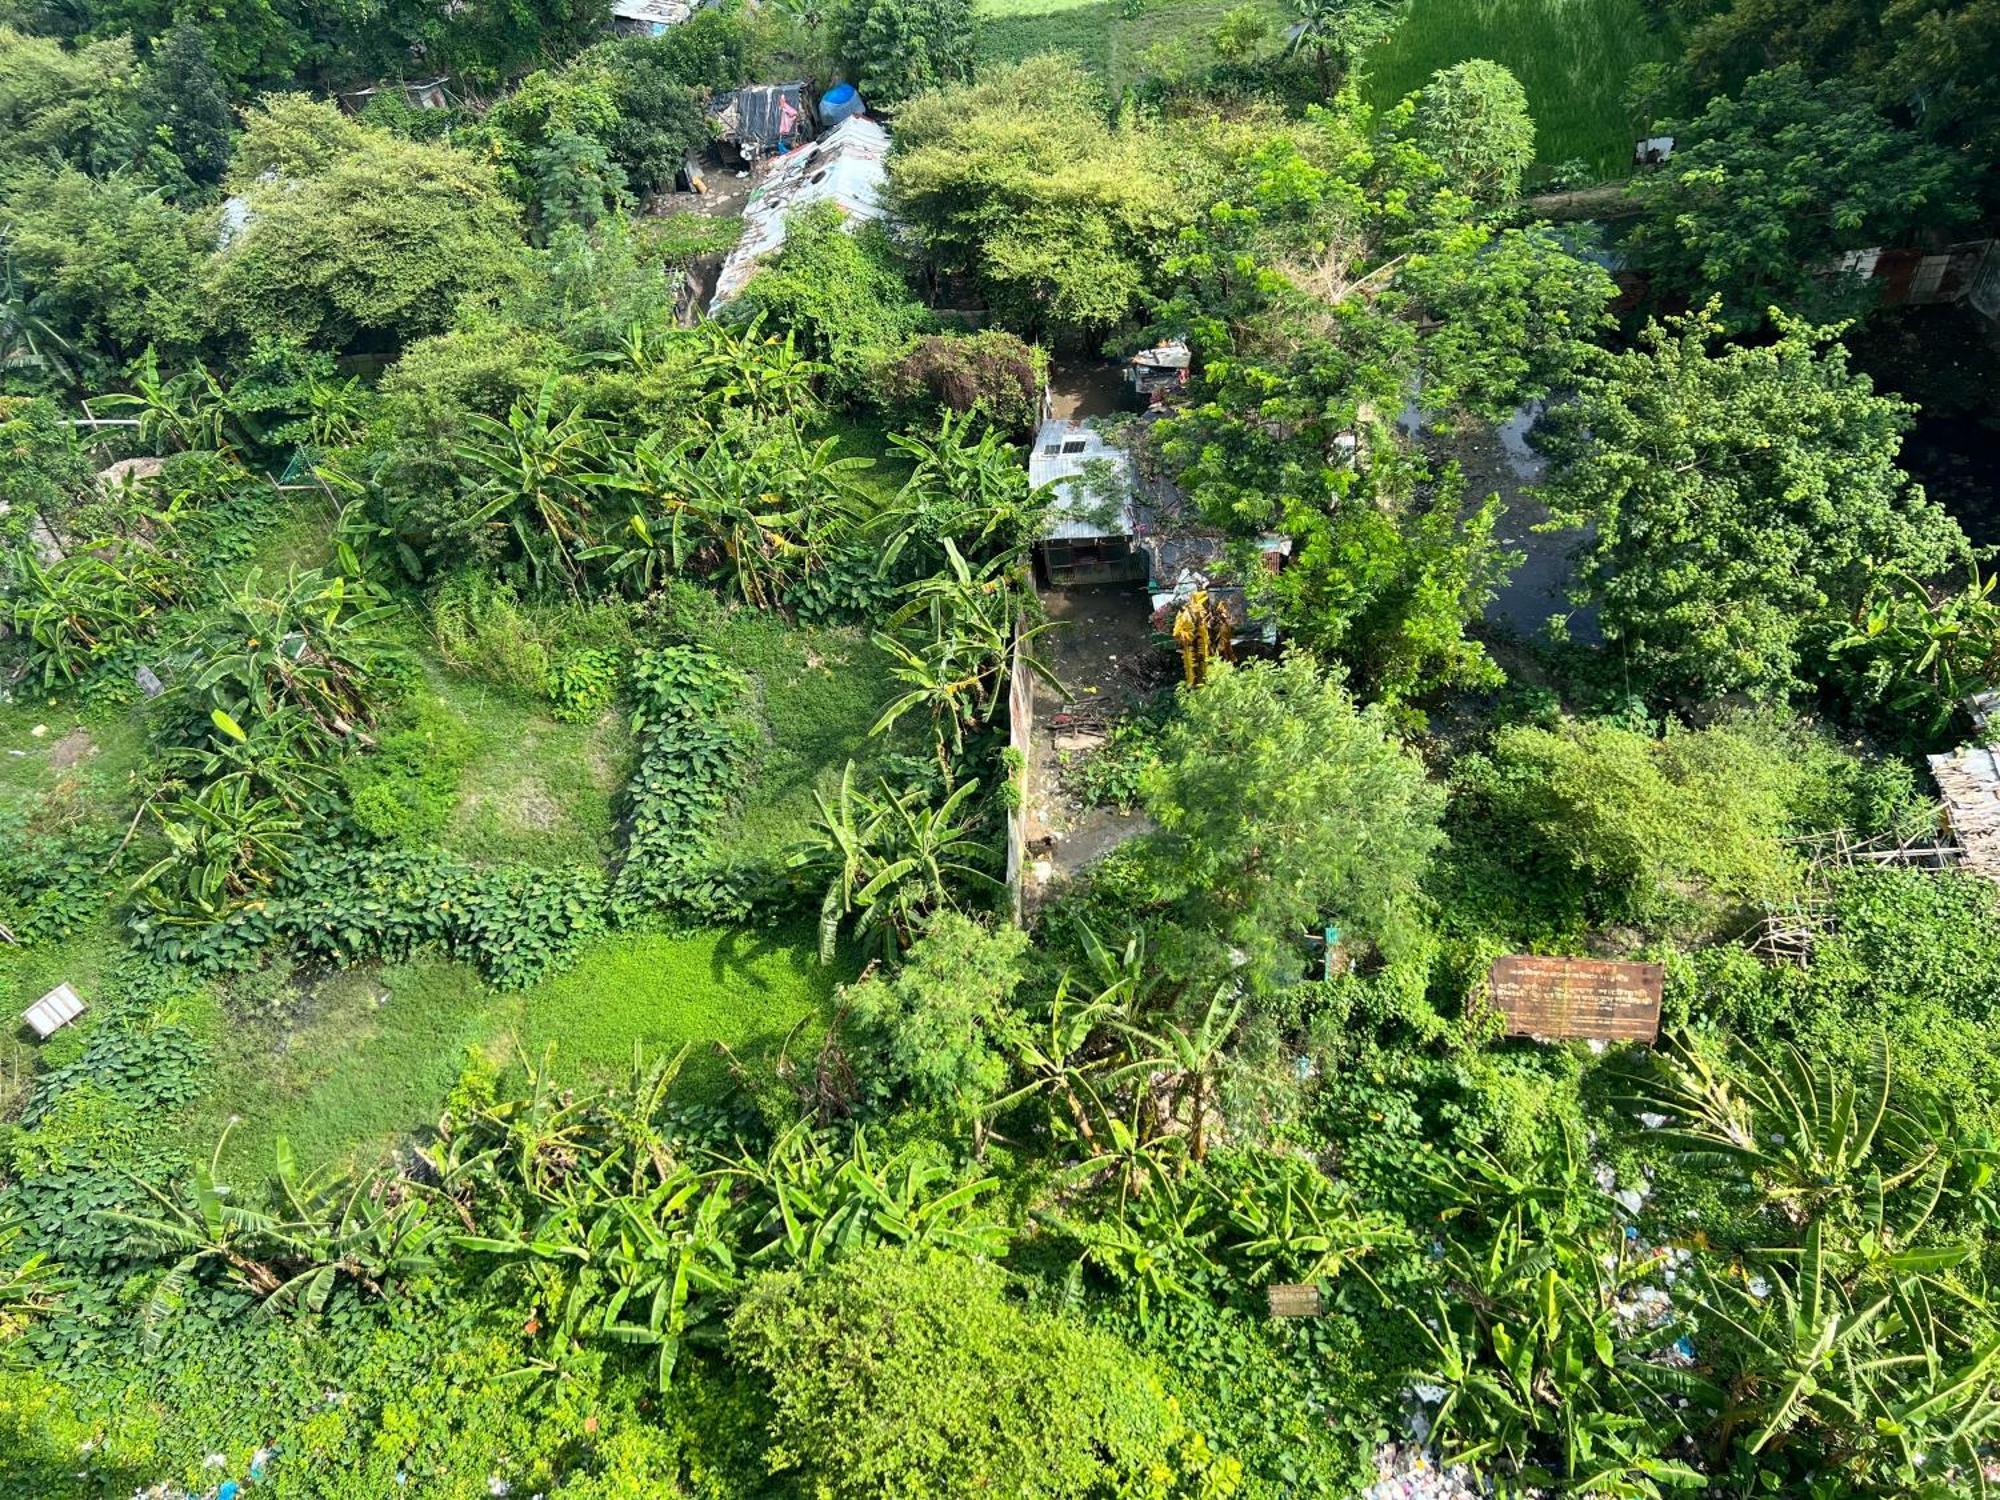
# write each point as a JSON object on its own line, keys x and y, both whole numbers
{"x": 1282, "y": 806}
{"x": 1017, "y": 183}
{"x": 1765, "y": 190}
{"x": 1337, "y": 32}
{"x": 187, "y": 105}
{"x": 1473, "y": 120}
{"x": 1738, "y": 503}
{"x": 897, "y": 49}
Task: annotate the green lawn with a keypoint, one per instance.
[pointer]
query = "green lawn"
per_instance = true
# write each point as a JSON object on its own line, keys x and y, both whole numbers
{"x": 1108, "y": 41}
{"x": 818, "y": 691}
{"x": 535, "y": 791}
{"x": 350, "y": 1063}
{"x": 1572, "y": 56}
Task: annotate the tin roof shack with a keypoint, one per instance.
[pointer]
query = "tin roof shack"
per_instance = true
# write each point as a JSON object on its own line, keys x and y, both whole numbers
{"x": 648, "y": 17}
{"x": 1969, "y": 778}
{"x": 1159, "y": 373}
{"x": 1091, "y": 528}
{"x": 759, "y": 121}
{"x": 1184, "y": 557}
{"x": 845, "y": 168}
{"x": 427, "y": 93}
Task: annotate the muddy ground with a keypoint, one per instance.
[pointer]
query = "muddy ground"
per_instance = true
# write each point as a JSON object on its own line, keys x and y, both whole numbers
{"x": 1104, "y": 653}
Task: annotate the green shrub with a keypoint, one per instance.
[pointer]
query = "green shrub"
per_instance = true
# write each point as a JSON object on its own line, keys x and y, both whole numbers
{"x": 994, "y": 374}
{"x": 482, "y": 630}
{"x": 517, "y": 924}
{"x": 582, "y": 682}
{"x": 901, "y": 1374}
{"x": 51, "y": 883}
{"x": 693, "y": 754}
{"x": 1686, "y": 828}
{"x": 840, "y": 294}
{"x": 404, "y": 791}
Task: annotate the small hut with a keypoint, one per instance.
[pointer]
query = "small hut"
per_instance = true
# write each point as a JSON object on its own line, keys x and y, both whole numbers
{"x": 1091, "y": 527}
{"x": 759, "y": 121}
{"x": 648, "y": 17}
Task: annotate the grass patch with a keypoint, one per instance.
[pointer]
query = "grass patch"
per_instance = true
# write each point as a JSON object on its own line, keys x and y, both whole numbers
{"x": 818, "y": 691}
{"x": 347, "y": 1066}
{"x": 535, "y": 791}
{"x": 1572, "y": 57}
{"x": 85, "y": 959}
{"x": 1102, "y": 36}
{"x": 77, "y": 769}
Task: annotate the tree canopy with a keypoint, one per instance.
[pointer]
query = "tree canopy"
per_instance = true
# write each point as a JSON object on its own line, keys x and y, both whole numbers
{"x": 1738, "y": 501}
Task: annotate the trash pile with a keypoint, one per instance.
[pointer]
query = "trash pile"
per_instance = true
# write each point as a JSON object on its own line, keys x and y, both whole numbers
{"x": 1406, "y": 1471}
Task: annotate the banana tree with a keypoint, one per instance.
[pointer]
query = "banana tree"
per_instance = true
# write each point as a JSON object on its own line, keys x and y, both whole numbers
{"x": 969, "y": 490}
{"x": 888, "y": 860}
{"x": 29, "y": 343}
{"x": 30, "y": 1286}
{"x": 1177, "y": 1068}
{"x": 1536, "y": 1377}
{"x": 953, "y": 642}
{"x": 226, "y": 845}
{"x": 748, "y": 368}
{"x": 530, "y": 473}
{"x": 1925, "y": 653}
{"x": 188, "y": 412}
{"x": 75, "y": 609}
{"x": 305, "y": 643}
{"x": 820, "y": 1202}
{"x": 1813, "y": 1142}
{"x": 1873, "y": 1383}
{"x": 320, "y": 1230}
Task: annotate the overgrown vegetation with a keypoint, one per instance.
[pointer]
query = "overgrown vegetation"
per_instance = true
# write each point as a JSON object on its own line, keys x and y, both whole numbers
{"x": 519, "y": 769}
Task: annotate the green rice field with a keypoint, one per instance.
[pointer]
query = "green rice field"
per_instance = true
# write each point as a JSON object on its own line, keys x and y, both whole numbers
{"x": 1572, "y": 56}
{"x": 1100, "y": 32}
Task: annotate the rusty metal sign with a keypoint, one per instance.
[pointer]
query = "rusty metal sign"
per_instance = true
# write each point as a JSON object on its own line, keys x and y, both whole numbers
{"x": 1577, "y": 998}
{"x": 1294, "y": 1299}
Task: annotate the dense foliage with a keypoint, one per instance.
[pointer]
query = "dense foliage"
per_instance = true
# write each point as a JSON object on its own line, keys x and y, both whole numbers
{"x": 592, "y": 987}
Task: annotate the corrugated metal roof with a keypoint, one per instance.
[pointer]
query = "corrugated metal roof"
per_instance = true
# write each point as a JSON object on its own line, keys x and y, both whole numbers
{"x": 845, "y": 167}
{"x": 652, "y": 12}
{"x": 1064, "y": 451}
{"x": 1969, "y": 778}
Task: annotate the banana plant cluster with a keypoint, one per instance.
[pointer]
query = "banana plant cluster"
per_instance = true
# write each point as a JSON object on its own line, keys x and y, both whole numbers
{"x": 1854, "y": 1344}
{"x": 1248, "y": 1219}
{"x": 76, "y": 609}
{"x": 888, "y": 860}
{"x": 1537, "y": 1365}
{"x": 620, "y": 1232}
{"x": 30, "y": 1286}
{"x": 285, "y": 676}
{"x": 316, "y": 1232}
{"x": 951, "y": 641}
{"x": 747, "y": 497}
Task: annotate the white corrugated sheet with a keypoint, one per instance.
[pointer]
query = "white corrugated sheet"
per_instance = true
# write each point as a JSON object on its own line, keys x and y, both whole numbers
{"x": 53, "y": 1011}
{"x": 847, "y": 167}
{"x": 656, "y": 15}
{"x": 1063, "y": 451}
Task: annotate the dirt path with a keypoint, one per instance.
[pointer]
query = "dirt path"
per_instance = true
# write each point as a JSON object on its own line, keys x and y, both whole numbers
{"x": 1103, "y": 652}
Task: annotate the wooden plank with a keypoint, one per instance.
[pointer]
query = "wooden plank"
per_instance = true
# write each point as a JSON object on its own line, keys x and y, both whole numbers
{"x": 1294, "y": 1299}
{"x": 1588, "y": 999}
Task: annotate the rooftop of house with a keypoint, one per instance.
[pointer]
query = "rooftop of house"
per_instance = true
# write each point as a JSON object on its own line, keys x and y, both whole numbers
{"x": 1069, "y": 453}
{"x": 845, "y": 167}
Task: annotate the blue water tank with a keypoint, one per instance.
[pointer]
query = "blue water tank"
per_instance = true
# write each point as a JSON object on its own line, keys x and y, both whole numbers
{"x": 839, "y": 103}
